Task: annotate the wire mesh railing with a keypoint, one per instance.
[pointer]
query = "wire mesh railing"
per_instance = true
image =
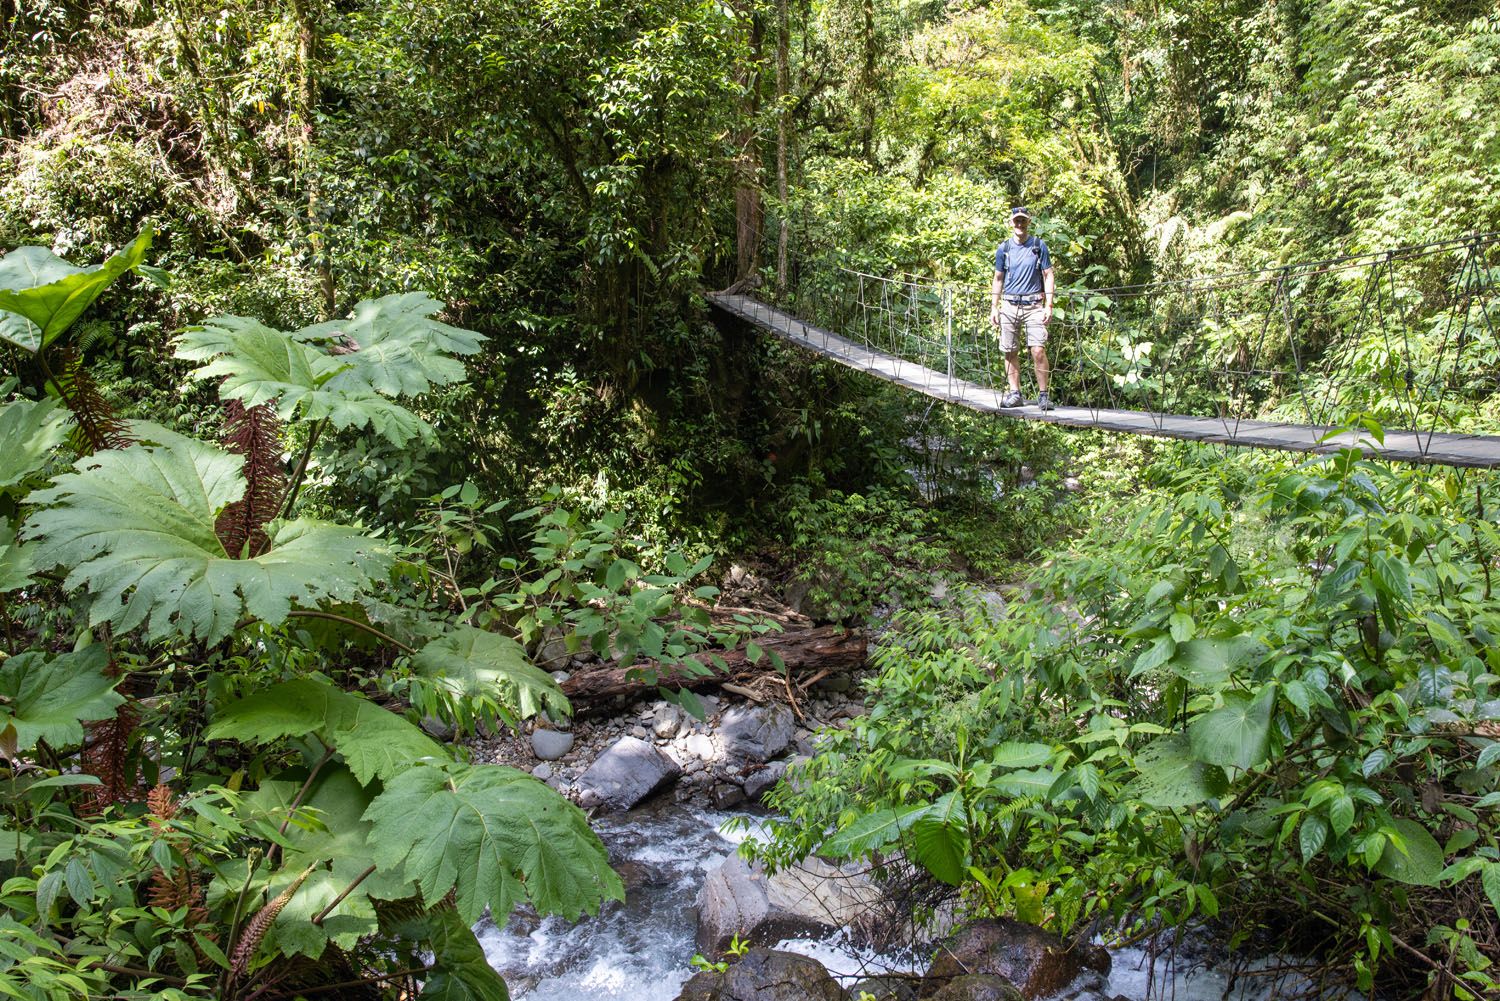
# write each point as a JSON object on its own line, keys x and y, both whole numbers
{"x": 1407, "y": 336}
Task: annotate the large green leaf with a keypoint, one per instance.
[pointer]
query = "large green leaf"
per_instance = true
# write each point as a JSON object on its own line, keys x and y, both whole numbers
{"x": 459, "y": 970}
{"x": 373, "y": 741}
{"x": 472, "y": 663}
{"x": 940, "y": 839}
{"x": 1238, "y": 733}
{"x": 41, "y": 294}
{"x": 49, "y": 698}
{"x": 16, "y": 564}
{"x": 1170, "y": 776}
{"x": 136, "y": 526}
{"x": 1026, "y": 782}
{"x": 1418, "y": 861}
{"x": 399, "y": 349}
{"x": 874, "y": 830}
{"x": 28, "y": 433}
{"x": 1016, "y": 754}
{"x": 331, "y": 834}
{"x": 493, "y": 835}
{"x": 1208, "y": 663}
{"x": 260, "y": 365}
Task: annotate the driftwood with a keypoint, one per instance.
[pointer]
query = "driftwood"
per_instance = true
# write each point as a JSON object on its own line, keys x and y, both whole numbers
{"x": 823, "y": 650}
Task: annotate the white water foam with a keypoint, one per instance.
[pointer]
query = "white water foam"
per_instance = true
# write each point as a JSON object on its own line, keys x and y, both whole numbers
{"x": 641, "y": 950}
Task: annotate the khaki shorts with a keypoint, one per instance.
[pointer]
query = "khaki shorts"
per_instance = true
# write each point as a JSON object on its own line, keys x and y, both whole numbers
{"x": 1013, "y": 318}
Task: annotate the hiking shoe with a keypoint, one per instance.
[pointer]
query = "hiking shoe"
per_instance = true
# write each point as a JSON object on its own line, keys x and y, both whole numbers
{"x": 1011, "y": 399}
{"x": 1043, "y": 401}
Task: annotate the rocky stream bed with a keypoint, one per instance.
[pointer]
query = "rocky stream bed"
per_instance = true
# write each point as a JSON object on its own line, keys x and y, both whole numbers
{"x": 662, "y": 787}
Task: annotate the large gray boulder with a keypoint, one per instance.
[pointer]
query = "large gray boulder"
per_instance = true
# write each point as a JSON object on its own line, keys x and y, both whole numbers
{"x": 887, "y": 988}
{"x": 1033, "y": 959}
{"x": 625, "y": 774}
{"x": 762, "y": 779}
{"x": 756, "y": 733}
{"x": 812, "y": 897}
{"x": 978, "y": 987}
{"x": 766, "y": 975}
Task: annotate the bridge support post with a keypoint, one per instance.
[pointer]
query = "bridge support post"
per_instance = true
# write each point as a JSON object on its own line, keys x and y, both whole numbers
{"x": 948, "y": 331}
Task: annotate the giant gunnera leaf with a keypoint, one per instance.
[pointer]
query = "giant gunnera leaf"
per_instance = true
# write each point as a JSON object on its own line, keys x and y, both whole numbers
{"x": 49, "y": 698}
{"x": 136, "y": 527}
{"x": 492, "y": 835}
{"x": 16, "y": 566}
{"x": 41, "y": 294}
{"x": 344, "y": 371}
{"x": 28, "y": 433}
{"x": 398, "y": 349}
{"x": 375, "y": 742}
{"x": 260, "y": 365}
{"x": 328, "y": 834}
{"x": 474, "y": 664}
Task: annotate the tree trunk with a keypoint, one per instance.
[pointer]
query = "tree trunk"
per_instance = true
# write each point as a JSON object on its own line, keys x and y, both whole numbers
{"x": 749, "y": 212}
{"x": 783, "y": 81}
{"x": 804, "y": 652}
{"x": 305, "y": 15}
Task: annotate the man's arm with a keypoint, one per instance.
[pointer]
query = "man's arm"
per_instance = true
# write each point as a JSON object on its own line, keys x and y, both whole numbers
{"x": 997, "y": 288}
{"x": 1049, "y": 285}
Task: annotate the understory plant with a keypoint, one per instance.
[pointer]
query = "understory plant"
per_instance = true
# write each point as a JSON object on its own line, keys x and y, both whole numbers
{"x": 213, "y": 784}
{"x": 1263, "y": 695}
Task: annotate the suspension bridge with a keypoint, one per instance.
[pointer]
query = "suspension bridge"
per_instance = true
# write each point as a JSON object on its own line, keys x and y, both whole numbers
{"x": 1391, "y": 352}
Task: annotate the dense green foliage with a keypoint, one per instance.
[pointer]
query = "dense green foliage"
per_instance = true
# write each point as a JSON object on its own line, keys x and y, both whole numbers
{"x": 1267, "y": 695}
{"x": 393, "y": 371}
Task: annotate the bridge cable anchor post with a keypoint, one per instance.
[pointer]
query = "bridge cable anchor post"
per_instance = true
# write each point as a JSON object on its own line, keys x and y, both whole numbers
{"x": 948, "y": 332}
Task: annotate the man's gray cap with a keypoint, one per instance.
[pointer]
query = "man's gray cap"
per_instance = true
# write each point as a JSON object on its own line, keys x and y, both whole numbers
{"x": 1020, "y": 210}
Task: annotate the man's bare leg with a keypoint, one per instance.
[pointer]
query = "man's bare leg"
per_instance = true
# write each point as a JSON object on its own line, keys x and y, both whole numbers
{"x": 1039, "y": 362}
{"x": 1013, "y": 370}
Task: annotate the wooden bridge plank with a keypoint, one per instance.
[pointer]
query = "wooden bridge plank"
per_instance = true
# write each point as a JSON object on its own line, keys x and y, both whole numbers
{"x": 1479, "y": 451}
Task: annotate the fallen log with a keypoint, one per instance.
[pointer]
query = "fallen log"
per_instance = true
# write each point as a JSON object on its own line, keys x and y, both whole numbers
{"x": 822, "y": 649}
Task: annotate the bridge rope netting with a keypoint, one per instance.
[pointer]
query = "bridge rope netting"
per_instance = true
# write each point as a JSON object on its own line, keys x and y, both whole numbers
{"x": 1407, "y": 337}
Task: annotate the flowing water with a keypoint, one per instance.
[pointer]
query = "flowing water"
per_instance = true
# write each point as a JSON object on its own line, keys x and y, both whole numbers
{"x": 641, "y": 950}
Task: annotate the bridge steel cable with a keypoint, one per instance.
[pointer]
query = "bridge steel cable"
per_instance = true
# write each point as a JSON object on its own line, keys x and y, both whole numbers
{"x": 1288, "y": 356}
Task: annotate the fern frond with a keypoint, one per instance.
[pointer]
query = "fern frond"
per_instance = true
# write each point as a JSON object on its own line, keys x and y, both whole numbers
{"x": 255, "y": 433}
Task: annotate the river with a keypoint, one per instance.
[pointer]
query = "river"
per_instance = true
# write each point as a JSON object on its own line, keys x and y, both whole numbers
{"x": 642, "y": 950}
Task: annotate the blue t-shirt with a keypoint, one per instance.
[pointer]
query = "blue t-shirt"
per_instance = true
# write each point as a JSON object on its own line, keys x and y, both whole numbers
{"x": 1023, "y": 264}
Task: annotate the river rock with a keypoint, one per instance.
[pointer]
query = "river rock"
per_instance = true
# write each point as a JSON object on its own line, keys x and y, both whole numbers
{"x": 978, "y": 987}
{"x": 549, "y": 745}
{"x": 756, "y": 733}
{"x": 726, "y": 795}
{"x": 700, "y": 745}
{"x": 758, "y": 781}
{"x": 436, "y": 728}
{"x": 667, "y": 723}
{"x": 766, "y": 975}
{"x": 1031, "y": 958}
{"x": 625, "y": 774}
{"x": 811, "y": 897}
{"x": 886, "y": 989}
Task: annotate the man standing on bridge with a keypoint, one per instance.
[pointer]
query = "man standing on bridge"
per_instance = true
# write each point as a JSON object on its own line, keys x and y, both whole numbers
{"x": 1021, "y": 299}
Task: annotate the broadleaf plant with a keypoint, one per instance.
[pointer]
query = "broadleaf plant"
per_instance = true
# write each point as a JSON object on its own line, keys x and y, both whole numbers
{"x": 494, "y": 837}
{"x": 260, "y": 365}
{"x": 41, "y": 294}
{"x": 136, "y": 527}
{"x": 48, "y": 698}
{"x": 374, "y": 742}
